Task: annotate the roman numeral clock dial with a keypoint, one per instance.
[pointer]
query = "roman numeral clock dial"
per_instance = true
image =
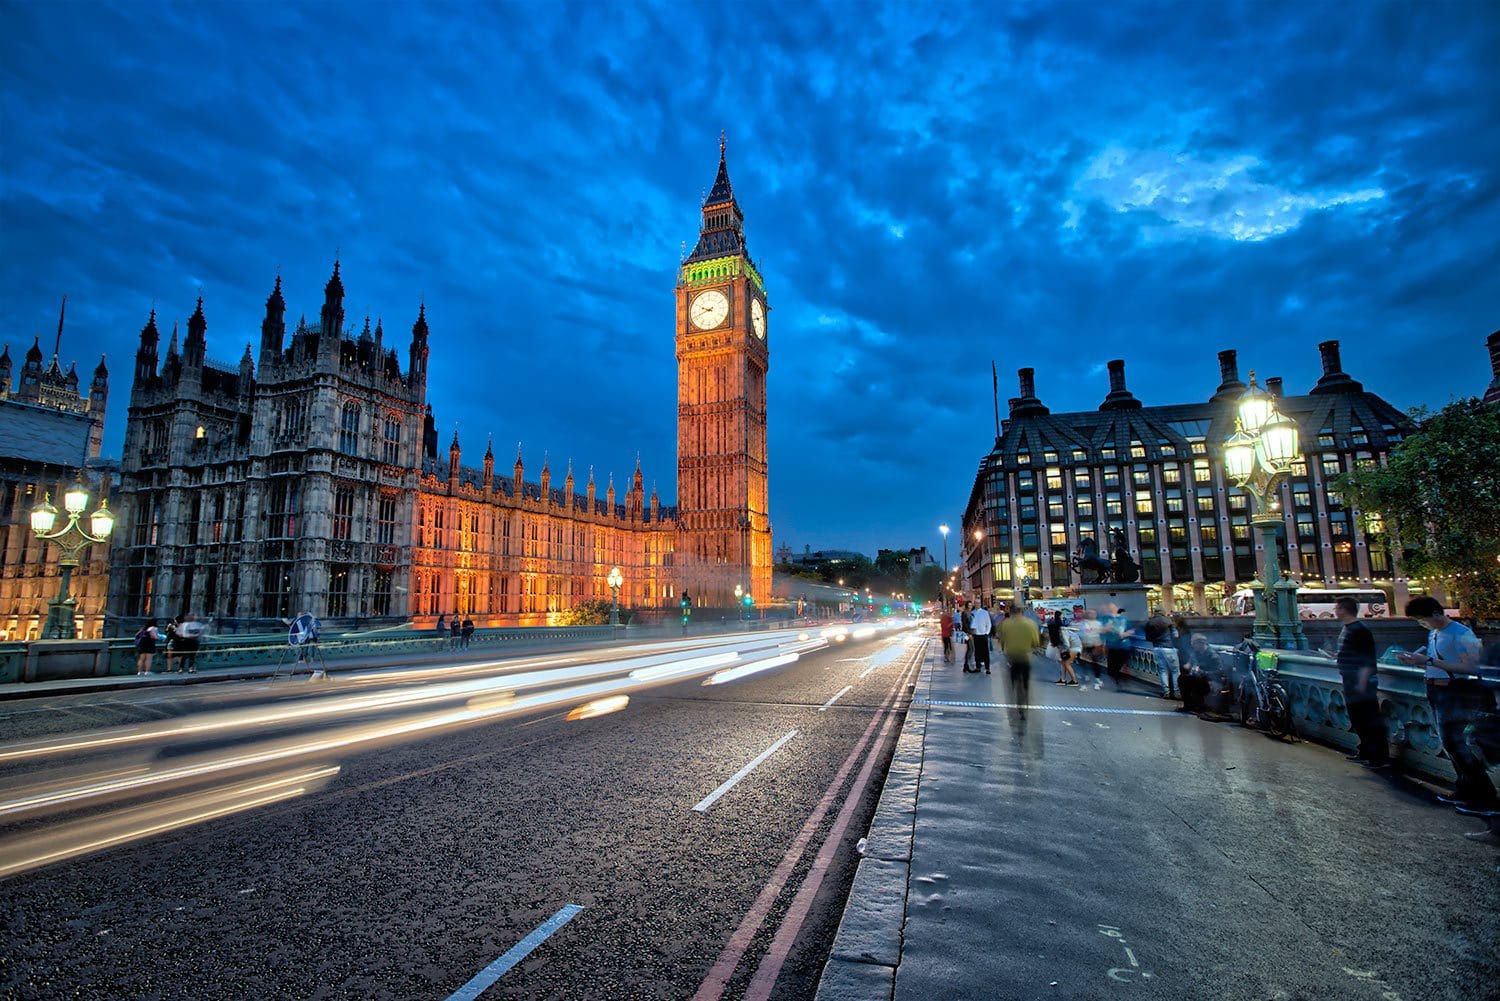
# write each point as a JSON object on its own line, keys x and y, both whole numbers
{"x": 709, "y": 310}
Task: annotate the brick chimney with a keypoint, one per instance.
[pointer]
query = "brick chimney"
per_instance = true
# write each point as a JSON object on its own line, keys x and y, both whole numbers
{"x": 1273, "y": 386}
{"x": 1229, "y": 375}
{"x": 1334, "y": 379}
{"x": 1027, "y": 404}
{"x": 1119, "y": 397}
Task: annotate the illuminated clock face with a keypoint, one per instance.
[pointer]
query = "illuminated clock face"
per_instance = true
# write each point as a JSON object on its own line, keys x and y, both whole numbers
{"x": 709, "y": 310}
{"x": 758, "y": 318}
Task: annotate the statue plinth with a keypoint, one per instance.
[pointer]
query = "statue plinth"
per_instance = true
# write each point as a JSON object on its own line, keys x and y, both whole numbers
{"x": 1129, "y": 598}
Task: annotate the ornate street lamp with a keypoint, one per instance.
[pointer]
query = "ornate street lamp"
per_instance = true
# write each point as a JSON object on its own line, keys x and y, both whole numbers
{"x": 616, "y": 578}
{"x": 71, "y": 540}
{"x": 1263, "y": 449}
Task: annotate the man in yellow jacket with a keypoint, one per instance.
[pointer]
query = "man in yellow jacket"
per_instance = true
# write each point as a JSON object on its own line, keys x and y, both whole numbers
{"x": 1019, "y": 638}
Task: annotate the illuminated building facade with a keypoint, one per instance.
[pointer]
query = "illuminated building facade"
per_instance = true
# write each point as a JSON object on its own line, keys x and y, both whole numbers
{"x": 311, "y": 481}
{"x": 1156, "y": 474}
{"x": 50, "y": 436}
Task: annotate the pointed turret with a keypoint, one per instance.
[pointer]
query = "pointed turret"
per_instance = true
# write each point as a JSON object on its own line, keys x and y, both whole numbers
{"x": 332, "y": 317}
{"x": 145, "y": 355}
{"x": 546, "y": 480}
{"x": 489, "y": 464}
{"x": 568, "y": 486}
{"x": 609, "y": 495}
{"x": 5, "y": 370}
{"x": 590, "y": 489}
{"x": 71, "y": 379}
{"x": 247, "y": 371}
{"x": 655, "y": 503}
{"x": 722, "y": 233}
{"x": 635, "y": 500}
{"x": 273, "y": 328}
{"x": 517, "y": 471}
{"x": 171, "y": 365}
{"x": 195, "y": 348}
{"x": 454, "y": 453}
{"x": 417, "y": 372}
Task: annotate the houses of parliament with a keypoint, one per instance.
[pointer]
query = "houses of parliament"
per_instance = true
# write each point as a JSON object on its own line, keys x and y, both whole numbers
{"x": 311, "y": 477}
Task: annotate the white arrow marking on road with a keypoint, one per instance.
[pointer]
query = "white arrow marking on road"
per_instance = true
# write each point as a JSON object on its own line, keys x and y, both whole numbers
{"x": 842, "y": 692}
{"x": 486, "y": 977}
{"x": 713, "y": 797}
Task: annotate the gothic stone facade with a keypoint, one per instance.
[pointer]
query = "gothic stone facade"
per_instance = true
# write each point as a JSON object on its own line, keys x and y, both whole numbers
{"x": 311, "y": 481}
{"x": 50, "y": 436}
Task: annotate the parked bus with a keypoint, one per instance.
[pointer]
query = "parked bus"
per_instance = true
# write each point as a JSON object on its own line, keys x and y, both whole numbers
{"x": 1317, "y": 603}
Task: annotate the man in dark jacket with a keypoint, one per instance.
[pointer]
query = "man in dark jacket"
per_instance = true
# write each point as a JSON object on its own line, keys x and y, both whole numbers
{"x": 1356, "y": 660}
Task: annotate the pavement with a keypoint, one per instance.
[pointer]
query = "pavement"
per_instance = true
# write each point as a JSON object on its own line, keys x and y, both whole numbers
{"x": 1107, "y": 846}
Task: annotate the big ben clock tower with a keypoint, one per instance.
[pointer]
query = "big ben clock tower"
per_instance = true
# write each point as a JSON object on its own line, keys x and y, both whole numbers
{"x": 724, "y": 526}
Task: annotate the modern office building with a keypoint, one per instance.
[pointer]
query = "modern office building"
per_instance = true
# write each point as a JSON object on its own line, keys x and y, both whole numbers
{"x": 1156, "y": 474}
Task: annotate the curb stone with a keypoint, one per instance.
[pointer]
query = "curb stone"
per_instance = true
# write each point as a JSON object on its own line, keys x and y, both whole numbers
{"x": 867, "y": 948}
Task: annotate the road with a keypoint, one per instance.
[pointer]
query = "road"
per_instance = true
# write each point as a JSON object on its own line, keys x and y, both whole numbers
{"x": 409, "y": 833}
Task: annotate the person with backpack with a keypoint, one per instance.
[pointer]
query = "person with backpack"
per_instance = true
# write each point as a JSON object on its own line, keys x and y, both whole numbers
{"x": 965, "y": 626}
{"x": 189, "y": 636}
{"x": 146, "y": 639}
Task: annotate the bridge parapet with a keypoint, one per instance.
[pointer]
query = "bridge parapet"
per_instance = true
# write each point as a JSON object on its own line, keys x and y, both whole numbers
{"x": 1317, "y": 696}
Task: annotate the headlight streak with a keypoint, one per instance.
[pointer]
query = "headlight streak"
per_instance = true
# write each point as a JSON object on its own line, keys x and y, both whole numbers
{"x": 744, "y": 670}
{"x": 39, "y": 801}
{"x": 599, "y": 707}
{"x": 339, "y": 705}
{"x": 695, "y": 665}
{"x": 82, "y": 837}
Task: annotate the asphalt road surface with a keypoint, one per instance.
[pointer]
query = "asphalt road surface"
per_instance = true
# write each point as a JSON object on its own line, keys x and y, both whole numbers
{"x": 566, "y": 827}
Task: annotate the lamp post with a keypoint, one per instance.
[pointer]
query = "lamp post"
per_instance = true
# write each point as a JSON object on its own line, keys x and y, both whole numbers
{"x": 71, "y": 540}
{"x": 616, "y": 578}
{"x": 944, "y": 529}
{"x": 1262, "y": 449}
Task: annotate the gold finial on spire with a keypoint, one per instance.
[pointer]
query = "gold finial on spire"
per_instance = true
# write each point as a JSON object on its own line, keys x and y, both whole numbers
{"x": 723, "y": 142}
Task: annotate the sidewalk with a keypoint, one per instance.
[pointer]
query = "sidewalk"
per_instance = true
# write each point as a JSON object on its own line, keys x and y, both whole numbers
{"x": 1107, "y": 841}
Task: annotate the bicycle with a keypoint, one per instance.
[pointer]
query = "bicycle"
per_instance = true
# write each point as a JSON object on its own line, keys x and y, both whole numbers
{"x": 1262, "y": 701}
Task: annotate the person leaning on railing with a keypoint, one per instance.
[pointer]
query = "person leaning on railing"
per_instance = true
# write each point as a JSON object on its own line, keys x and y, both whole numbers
{"x": 1459, "y": 700}
{"x": 1357, "y": 671}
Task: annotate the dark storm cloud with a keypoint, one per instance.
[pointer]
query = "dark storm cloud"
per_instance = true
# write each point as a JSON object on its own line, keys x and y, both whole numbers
{"x": 927, "y": 189}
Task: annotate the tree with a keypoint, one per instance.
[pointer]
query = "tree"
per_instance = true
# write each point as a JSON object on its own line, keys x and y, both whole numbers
{"x": 1437, "y": 499}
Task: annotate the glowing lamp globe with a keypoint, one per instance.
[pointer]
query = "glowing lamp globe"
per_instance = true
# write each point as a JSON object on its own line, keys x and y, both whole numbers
{"x": 1239, "y": 455}
{"x": 43, "y": 517}
{"x": 1279, "y": 438}
{"x": 1255, "y": 406}
{"x": 76, "y": 498}
{"x": 102, "y": 521}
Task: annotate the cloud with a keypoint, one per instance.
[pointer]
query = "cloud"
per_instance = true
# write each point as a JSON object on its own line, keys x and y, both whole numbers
{"x": 1219, "y": 198}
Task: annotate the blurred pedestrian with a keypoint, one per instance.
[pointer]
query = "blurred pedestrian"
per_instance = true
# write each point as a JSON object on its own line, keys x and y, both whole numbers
{"x": 441, "y": 628}
{"x": 455, "y": 632}
{"x": 171, "y": 639}
{"x": 146, "y": 639}
{"x": 189, "y": 635}
{"x": 1159, "y": 636}
{"x": 965, "y": 614}
{"x": 1459, "y": 700}
{"x": 1091, "y": 637}
{"x": 979, "y": 631}
{"x": 1019, "y": 640}
{"x": 945, "y": 630}
{"x": 1356, "y": 660}
{"x": 1116, "y": 630}
{"x": 468, "y": 630}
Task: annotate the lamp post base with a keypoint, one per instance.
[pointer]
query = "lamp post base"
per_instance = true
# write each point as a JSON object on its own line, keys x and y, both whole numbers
{"x": 61, "y": 621}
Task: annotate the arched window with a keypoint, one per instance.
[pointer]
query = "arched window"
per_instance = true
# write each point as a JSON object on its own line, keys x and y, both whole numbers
{"x": 349, "y": 429}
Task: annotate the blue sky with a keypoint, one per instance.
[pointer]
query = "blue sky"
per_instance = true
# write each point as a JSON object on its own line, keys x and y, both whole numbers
{"x": 927, "y": 187}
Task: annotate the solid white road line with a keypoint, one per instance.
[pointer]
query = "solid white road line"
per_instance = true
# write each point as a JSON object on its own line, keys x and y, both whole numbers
{"x": 711, "y": 798}
{"x": 486, "y": 977}
{"x": 842, "y": 692}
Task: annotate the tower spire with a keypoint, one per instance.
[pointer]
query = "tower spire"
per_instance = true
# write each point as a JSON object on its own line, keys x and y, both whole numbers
{"x": 61, "y": 312}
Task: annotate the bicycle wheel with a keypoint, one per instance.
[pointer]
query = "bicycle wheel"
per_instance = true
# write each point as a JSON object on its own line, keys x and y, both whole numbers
{"x": 1248, "y": 709}
{"x": 1280, "y": 717}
